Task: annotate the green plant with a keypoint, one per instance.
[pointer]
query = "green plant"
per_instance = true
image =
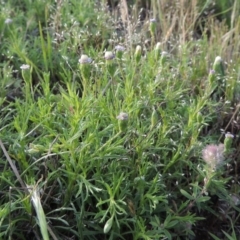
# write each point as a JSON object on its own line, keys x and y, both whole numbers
{"x": 114, "y": 122}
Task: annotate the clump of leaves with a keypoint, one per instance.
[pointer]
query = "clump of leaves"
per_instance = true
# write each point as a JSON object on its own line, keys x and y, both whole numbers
{"x": 121, "y": 139}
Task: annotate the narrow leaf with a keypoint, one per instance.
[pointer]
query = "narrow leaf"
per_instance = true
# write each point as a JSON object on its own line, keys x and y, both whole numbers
{"x": 186, "y": 194}
{"x": 108, "y": 225}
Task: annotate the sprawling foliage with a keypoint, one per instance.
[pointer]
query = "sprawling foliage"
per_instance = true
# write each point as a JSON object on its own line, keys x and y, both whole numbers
{"x": 119, "y": 119}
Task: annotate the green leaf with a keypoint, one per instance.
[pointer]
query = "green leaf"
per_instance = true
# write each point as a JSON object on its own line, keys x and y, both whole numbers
{"x": 108, "y": 225}
{"x": 228, "y": 236}
{"x": 214, "y": 237}
{"x": 202, "y": 199}
{"x": 167, "y": 234}
{"x": 186, "y": 194}
{"x": 172, "y": 224}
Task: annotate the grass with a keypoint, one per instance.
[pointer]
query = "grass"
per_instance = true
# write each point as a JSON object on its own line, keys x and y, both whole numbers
{"x": 139, "y": 144}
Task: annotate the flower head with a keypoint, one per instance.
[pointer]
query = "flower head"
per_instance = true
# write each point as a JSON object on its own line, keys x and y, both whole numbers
{"x": 152, "y": 20}
{"x": 122, "y": 116}
{"x": 213, "y": 155}
{"x": 85, "y": 59}
{"x": 109, "y": 55}
{"x": 229, "y": 135}
{"x": 120, "y": 48}
{"x": 211, "y": 72}
{"x": 8, "y": 21}
{"x": 119, "y": 51}
{"x": 25, "y": 67}
{"x": 26, "y": 73}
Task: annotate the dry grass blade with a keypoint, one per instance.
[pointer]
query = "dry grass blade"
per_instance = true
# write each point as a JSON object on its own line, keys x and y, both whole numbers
{"x": 124, "y": 12}
{"x": 125, "y": 18}
{"x": 23, "y": 185}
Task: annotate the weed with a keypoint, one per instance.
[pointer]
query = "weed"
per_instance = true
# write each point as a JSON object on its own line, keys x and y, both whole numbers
{"x": 112, "y": 120}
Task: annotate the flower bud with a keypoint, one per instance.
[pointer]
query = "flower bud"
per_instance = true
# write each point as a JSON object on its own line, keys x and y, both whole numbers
{"x": 8, "y": 21}
{"x": 154, "y": 118}
{"x": 163, "y": 58}
{"x": 211, "y": 78}
{"x": 199, "y": 117}
{"x": 111, "y": 66}
{"x": 85, "y": 67}
{"x": 119, "y": 51}
{"x": 216, "y": 79}
{"x": 26, "y": 72}
{"x": 27, "y": 77}
{"x": 109, "y": 56}
{"x": 228, "y": 142}
{"x": 158, "y": 50}
{"x": 218, "y": 66}
{"x": 122, "y": 121}
{"x": 85, "y": 59}
{"x": 219, "y": 69}
{"x": 138, "y": 53}
{"x": 152, "y": 26}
